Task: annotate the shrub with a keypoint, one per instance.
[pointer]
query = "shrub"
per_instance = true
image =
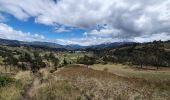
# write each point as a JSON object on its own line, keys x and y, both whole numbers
{"x": 5, "y": 80}
{"x": 105, "y": 69}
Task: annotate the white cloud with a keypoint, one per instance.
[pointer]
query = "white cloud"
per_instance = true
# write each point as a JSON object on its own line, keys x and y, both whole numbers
{"x": 86, "y": 41}
{"x": 150, "y": 38}
{"x": 8, "y": 32}
{"x": 2, "y": 18}
{"x": 126, "y": 19}
{"x": 105, "y": 32}
{"x": 61, "y": 29}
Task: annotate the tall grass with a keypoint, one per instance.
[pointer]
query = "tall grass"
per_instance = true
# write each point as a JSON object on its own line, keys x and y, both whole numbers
{"x": 11, "y": 87}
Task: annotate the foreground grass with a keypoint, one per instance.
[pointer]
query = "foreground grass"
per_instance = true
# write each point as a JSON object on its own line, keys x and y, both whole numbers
{"x": 77, "y": 82}
{"x": 80, "y": 83}
{"x": 13, "y": 89}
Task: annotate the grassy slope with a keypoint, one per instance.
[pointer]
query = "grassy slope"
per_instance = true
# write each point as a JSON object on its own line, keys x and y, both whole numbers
{"x": 76, "y": 82}
{"x": 80, "y": 83}
{"x": 127, "y": 71}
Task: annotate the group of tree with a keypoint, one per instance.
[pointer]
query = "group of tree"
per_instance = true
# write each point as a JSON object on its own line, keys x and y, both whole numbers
{"x": 87, "y": 60}
{"x": 29, "y": 59}
{"x": 151, "y": 54}
{"x": 52, "y": 58}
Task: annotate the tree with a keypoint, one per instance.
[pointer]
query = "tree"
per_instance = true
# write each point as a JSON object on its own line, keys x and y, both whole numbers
{"x": 25, "y": 60}
{"x": 157, "y": 49}
{"x": 10, "y": 60}
{"x": 56, "y": 63}
{"x": 51, "y": 57}
{"x": 5, "y": 63}
{"x": 14, "y": 62}
{"x": 37, "y": 63}
{"x": 25, "y": 57}
{"x": 87, "y": 60}
{"x": 138, "y": 57}
{"x": 65, "y": 61}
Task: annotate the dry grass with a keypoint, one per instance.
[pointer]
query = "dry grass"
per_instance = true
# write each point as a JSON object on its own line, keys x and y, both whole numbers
{"x": 77, "y": 82}
{"x": 126, "y": 71}
{"x": 8, "y": 70}
{"x": 13, "y": 91}
{"x": 10, "y": 92}
{"x": 81, "y": 83}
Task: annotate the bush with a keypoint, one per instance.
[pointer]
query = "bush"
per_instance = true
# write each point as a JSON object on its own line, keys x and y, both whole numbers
{"x": 87, "y": 60}
{"x": 6, "y": 80}
{"x": 105, "y": 69}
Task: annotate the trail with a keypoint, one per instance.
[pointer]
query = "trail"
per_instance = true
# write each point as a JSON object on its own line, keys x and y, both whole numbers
{"x": 30, "y": 90}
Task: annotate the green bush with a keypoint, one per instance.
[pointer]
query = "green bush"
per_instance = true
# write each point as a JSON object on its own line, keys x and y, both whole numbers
{"x": 6, "y": 80}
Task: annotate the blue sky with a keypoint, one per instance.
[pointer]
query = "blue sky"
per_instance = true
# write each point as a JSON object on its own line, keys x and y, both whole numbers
{"x": 48, "y": 31}
{"x": 85, "y": 22}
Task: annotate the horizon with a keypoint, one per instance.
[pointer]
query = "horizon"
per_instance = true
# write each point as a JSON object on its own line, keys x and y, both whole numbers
{"x": 84, "y": 22}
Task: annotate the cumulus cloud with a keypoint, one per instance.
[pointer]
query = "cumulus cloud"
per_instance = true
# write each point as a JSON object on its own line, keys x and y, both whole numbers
{"x": 8, "y": 32}
{"x": 130, "y": 19}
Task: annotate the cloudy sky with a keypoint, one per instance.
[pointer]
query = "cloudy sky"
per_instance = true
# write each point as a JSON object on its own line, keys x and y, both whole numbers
{"x": 85, "y": 22}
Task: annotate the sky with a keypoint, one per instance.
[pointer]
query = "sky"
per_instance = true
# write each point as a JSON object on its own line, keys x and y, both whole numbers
{"x": 85, "y": 22}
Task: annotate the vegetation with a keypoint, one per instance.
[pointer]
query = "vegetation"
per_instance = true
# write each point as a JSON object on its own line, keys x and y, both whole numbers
{"x": 5, "y": 80}
{"x": 134, "y": 71}
{"x": 77, "y": 82}
{"x": 153, "y": 54}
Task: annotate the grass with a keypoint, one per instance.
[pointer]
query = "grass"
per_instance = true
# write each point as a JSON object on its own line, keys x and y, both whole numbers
{"x": 76, "y": 82}
{"x": 133, "y": 72}
{"x": 16, "y": 83}
{"x": 71, "y": 57}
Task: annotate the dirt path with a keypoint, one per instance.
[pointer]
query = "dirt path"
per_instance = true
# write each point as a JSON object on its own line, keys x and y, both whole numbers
{"x": 30, "y": 90}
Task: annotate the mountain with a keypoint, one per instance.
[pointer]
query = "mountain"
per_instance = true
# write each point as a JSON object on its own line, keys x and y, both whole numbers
{"x": 9, "y": 42}
{"x": 36, "y": 44}
{"x": 56, "y": 47}
{"x": 110, "y": 45}
{"x": 74, "y": 47}
{"x": 48, "y": 44}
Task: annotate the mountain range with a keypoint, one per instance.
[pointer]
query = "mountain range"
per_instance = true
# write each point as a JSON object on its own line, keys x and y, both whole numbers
{"x": 56, "y": 46}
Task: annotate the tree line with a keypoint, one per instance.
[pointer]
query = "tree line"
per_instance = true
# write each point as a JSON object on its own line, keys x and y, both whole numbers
{"x": 153, "y": 54}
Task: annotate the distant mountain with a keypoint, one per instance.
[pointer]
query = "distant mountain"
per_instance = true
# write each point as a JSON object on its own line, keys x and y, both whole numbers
{"x": 9, "y": 42}
{"x": 74, "y": 47}
{"x": 48, "y": 44}
{"x": 36, "y": 44}
{"x": 110, "y": 45}
{"x": 55, "y": 46}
